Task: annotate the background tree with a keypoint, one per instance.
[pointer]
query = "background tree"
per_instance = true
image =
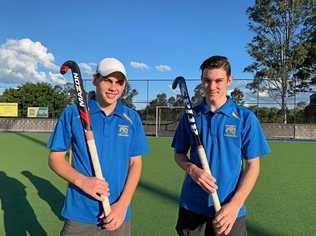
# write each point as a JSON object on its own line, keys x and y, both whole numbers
{"x": 301, "y": 105}
{"x": 238, "y": 96}
{"x": 279, "y": 47}
{"x": 149, "y": 113}
{"x": 176, "y": 112}
{"x": 171, "y": 101}
{"x": 128, "y": 96}
{"x": 70, "y": 91}
{"x": 37, "y": 95}
{"x": 176, "y": 101}
{"x": 198, "y": 95}
{"x": 307, "y": 70}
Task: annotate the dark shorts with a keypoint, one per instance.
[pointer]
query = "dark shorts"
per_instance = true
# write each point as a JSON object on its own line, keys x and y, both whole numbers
{"x": 72, "y": 228}
{"x": 192, "y": 224}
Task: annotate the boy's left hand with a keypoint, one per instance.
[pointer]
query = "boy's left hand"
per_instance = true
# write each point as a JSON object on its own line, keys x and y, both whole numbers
{"x": 116, "y": 218}
{"x": 226, "y": 218}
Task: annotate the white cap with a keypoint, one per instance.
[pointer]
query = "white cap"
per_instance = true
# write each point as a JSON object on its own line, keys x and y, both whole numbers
{"x": 109, "y": 65}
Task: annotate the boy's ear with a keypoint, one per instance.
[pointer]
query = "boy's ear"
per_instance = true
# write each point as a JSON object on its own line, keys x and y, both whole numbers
{"x": 230, "y": 79}
{"x": 94, "y": 79}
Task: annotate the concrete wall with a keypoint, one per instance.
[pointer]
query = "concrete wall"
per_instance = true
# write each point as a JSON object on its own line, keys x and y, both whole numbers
{"x": 298, "y": 131}
{"x": 27, "y": 124}
{"x": 272, "y": 130}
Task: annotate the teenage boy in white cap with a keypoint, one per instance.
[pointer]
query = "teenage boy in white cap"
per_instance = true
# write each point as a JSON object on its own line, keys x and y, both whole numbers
{"x": 120, "y": 140}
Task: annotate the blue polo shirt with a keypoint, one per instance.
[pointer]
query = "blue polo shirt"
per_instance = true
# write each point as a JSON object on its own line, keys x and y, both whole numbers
{"x": 118, "y": 137}
{"x": 228, "y": 135}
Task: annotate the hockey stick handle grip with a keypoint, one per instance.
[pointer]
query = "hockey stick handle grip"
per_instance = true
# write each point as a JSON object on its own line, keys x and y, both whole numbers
{"x": 206, "y": 167}
{"x": 97, "y": 168}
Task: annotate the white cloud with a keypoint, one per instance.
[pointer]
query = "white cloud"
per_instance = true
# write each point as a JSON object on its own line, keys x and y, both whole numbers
{"x": 87, "y": 68}
{"x": 163, "y": 68}
{"x": 57, "y": 78}
{"x": 264, "y": 94}
{"x": 27, "y": 61}
{"x": 139, "y": 65}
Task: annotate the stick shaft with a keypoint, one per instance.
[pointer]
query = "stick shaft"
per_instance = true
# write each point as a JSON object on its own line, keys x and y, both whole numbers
{"x": 97, "y": 168}
{"x": 206, "y": 167}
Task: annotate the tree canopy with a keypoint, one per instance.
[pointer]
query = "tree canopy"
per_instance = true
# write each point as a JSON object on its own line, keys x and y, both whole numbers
{"x": 238, "y": 96}
{"x": 37, "y": 95}
{"x": 282, "y": 43}
{"x": 128, "y": 96}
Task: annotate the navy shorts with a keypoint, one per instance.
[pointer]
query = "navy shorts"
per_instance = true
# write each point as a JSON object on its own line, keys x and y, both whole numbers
{"x": 192, "y": 224}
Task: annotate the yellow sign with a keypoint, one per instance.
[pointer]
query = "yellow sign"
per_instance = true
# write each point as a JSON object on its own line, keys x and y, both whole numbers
{"x": 8, "y": 109}
{"x": 37, "y": 112}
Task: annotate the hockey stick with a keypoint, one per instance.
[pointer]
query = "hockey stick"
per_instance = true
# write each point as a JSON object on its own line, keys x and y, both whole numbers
{"x": 201, "y": 151}
{"x": 85, "y": 119}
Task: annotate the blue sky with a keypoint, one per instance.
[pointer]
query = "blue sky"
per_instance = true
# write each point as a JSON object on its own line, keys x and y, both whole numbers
{"x": 154, "y": 39}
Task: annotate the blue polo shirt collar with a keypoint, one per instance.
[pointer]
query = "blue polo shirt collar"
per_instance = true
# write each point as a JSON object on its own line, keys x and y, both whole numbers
{"x": 228, "y": 109}
{"x": 95, "y": 108}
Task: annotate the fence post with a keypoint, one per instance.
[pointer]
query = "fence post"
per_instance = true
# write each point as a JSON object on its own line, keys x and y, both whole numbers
{"x": 156, "y": 121}
{"x": 294, "y": 119}
{"x": 147, "y": 97}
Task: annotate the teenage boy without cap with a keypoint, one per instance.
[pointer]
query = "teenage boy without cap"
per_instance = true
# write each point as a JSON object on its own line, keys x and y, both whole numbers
{"x": 120, "y": 141}
{"x": 229, "y": 133}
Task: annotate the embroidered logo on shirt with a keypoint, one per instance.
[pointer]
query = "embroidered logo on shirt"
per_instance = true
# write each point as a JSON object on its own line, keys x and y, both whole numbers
{"x": 230, "y": 130}
{"x": 123, "y": 130}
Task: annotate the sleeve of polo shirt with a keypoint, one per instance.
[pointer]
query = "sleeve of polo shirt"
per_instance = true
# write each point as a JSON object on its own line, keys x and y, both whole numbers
{"x": 61, "y": 137}
{"x": 181, "y": 139}
{"x": 254, "y": 142}
{"x": 139, "y": 145}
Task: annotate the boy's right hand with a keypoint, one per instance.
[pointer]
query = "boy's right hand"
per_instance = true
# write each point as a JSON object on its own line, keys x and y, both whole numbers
{"x": 94, "y": 187}
{"x": 202, "y": 178}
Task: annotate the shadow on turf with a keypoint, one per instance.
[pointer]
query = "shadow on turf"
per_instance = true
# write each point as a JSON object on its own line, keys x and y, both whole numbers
{"x": 254, "y": 229}
{"x": 18, "y": 215}
{"x": 159, "y": 191}
{"x": 42, "y": 143}
{"x": 47, "y": 192}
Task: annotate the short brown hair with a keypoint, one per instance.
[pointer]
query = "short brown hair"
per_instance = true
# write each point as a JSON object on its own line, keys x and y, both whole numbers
{"x": 216, "y": 62}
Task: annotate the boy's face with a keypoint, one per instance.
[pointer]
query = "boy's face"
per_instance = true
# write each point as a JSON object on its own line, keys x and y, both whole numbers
{"x": 109, "y": 89}
{"x": 215, "y": 83}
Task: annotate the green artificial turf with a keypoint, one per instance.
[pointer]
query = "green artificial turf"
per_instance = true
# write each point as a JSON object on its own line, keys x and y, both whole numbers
{"x": 156, "y": 203}
{"x": 283, "y": 202}
{"x": 31, "y": 195}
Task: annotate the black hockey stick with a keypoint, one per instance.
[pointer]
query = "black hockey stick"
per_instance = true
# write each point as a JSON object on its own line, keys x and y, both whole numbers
{"x": 190, "y": 115}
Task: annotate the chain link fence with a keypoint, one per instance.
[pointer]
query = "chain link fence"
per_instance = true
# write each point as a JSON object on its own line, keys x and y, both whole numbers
{"x": 301, "y": 109}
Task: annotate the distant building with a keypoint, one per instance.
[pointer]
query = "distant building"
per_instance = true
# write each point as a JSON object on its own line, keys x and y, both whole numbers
{"x": 310, "y": 110}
